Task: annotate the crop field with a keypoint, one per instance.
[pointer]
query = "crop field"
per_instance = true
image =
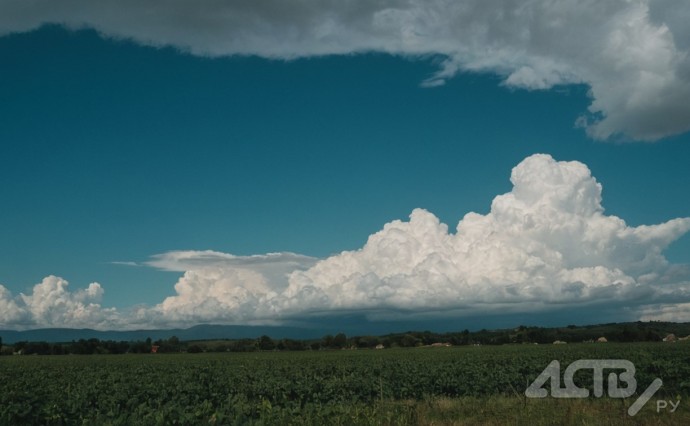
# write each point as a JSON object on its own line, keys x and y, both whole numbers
{"x": 447, "y": 385}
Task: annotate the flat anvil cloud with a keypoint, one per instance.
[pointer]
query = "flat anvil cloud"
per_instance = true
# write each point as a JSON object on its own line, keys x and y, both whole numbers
{"x": 634, "y": 54}
{"x": 545, "y": 246}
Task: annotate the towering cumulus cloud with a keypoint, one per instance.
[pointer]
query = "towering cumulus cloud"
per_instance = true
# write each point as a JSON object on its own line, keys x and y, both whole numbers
{"x": 545, "y": 245}
{"x": 634, "y": 54}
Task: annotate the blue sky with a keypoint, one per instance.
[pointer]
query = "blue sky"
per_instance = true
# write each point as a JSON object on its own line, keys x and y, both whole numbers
{"x": 126, "y": 159}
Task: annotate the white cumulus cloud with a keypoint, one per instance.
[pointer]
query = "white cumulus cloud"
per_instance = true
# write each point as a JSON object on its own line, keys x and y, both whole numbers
{"x": 634, "y": 54}
{"x": 673, "y": 312}
{"x": 215, "y": 295}
{"x": 545, "y": 245}
{"x": 219, "y": 287}
{"x": 10, "y": 312}
{"x": 52, "y": 304}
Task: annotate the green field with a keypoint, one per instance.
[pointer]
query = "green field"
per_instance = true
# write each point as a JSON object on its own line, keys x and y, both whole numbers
{"x": 456, "y": 385}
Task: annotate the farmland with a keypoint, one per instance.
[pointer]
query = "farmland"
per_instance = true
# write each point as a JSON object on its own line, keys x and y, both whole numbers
{"x": 447, "y": 385}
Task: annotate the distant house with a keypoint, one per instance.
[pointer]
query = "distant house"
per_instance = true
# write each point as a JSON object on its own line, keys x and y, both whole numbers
{"x": 439, "y": 345}
{"x": 602, "y": 340}
{"x": 559, "y": 342}
{"x": 154, "y": 349}
{"x": 670, "y": 338}
{"x": 379, "y": 346}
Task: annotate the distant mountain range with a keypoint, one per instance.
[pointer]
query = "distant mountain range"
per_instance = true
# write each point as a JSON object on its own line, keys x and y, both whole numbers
{"x": 631, "y": 331}
{"x": 352, "y": 325}
{"x": 198, "y": 332}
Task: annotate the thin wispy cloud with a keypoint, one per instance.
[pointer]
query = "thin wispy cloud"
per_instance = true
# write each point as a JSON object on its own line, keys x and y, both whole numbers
{"x": 184, "y": 260}
{"x": 125, "y": 263}
{"x": 634, "y": 55}
{"x": 545, "y": 246}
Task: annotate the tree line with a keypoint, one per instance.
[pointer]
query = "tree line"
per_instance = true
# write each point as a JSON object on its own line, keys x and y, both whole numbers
{"x": 624, "y": 332}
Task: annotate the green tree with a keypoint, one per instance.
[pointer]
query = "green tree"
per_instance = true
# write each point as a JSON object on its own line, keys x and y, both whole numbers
{"x": 266, "y": 343}
{"x": 194, "y": 349}
{"x": 327, "y": 341}
{"x": 340, "y": 341}
{"x": 408, "y": 341}
{"x": 173, "y": 344}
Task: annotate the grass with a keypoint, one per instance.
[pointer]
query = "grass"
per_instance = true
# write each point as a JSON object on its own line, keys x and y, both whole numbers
{"x": 504, "y": 410}
{"x": 494, "y": 410}
{"x": 445, "y": 386}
